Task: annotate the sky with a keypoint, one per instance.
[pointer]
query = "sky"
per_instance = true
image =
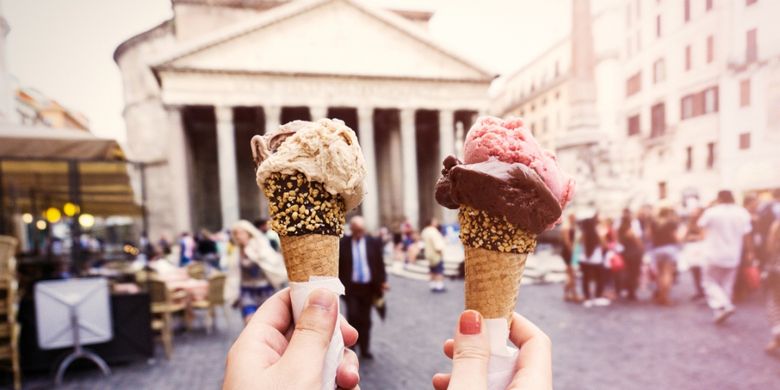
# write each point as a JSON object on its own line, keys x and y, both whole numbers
{"x": 64, "y": 48}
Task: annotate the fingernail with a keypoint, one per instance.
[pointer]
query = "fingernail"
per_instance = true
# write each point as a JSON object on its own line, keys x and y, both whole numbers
{"x": 470, "y": 322}
{"x": 323, "y": 299}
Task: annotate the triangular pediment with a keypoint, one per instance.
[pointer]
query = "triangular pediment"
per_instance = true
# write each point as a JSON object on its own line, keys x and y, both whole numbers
{"x": 335, "y": 37}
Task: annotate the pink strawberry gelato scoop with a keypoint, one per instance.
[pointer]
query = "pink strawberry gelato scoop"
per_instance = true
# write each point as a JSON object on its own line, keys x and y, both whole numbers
{"x": 511, "y": 142}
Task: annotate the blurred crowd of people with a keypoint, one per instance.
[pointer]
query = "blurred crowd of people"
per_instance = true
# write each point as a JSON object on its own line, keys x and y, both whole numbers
{"x": 730, "y": 250}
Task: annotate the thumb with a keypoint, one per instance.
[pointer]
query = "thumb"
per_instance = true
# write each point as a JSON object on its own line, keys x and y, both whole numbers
{"x": 471, "y": 353}
{"x": 313, "y": 331}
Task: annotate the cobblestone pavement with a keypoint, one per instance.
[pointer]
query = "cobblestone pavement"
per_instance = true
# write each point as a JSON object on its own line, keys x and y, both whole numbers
{"x": 625, "y": 346}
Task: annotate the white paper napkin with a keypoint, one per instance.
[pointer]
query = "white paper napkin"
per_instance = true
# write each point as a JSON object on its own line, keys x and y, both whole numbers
{"x": 299, "y": 292}
{"x": 503, "y": 358}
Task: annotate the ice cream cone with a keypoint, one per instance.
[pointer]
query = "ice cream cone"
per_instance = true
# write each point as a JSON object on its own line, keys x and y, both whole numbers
{"x": 495, "y": 259}
{"x": 493, "y": 281}
{"x": 310, "y": 255}
{"x": 309, "y": 221}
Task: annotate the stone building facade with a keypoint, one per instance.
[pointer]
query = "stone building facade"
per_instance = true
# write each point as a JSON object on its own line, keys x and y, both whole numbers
{"x": 568, "y": 96}
{"x": 701, "y": 90}
{"x": 200, "y": 85}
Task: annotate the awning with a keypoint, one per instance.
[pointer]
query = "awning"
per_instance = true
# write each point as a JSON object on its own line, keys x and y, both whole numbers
{"x": 36, "y": 142}
{"x": 39, "y": 166}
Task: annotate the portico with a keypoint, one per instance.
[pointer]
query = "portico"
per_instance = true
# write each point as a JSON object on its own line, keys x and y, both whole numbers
{"x": 404, "y": 96}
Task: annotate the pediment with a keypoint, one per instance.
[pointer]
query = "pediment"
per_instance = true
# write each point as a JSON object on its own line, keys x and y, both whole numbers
{"x": 335, "y": 37}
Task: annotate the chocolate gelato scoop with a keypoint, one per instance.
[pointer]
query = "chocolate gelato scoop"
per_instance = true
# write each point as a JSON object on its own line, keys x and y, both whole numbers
{"x": 511, "y": 190}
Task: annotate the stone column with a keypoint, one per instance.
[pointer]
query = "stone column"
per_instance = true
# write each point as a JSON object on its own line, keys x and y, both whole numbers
{"x": 446, "y": 148}
{"x": 409, "y": 156}
{"x": 272, "y": 114}
{"x": 226, "y": 157}
{"x": 318, "y": 112}
{"x": 179, "y": 175}
{"x": 371, "y": 200}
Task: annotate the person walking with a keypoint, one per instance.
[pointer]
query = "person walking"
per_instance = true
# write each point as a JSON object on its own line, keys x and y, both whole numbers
{"x": 592, "y": 263}
{"x": 569, "y": 240}
{"x": 433, "y": 247}
{"x": 186, "y": 249}
{"x": 693, "y": 251}
{"x": 362, "y": 272}
{"x": 666, "y": 248}
{"x": 726, "y": 227}
{"x": 255, "y": 270}
{"x": 772, "y": 266}
{"x": 632, "y": 252}
{"x": 262, "y": 225}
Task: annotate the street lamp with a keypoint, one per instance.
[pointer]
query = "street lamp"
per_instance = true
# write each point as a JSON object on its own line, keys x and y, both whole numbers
{"x": 41, "y": 224}
{"x": 27, "y": 218}
{"x": 70, "y": 209}
{"x": 53, "y": 215}
{"x": 86, "y": 220}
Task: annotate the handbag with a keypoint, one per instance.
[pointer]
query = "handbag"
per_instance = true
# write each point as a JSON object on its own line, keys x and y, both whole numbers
{"x": 617, "y": 263}
{"x": 752, "y": 277}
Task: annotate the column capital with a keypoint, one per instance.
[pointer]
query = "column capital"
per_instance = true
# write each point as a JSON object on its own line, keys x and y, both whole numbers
{"x": 318, "y": 112}
{"x": 365, "y": 112}
{"x": 223, "y": 113}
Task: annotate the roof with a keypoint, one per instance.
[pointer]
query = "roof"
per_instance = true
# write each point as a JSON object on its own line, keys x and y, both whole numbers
{"x": 38, "y": 142}
{"x": 295, "y": 8}
{"x": 163, "y": 28}
{"x": 35, "y": 170}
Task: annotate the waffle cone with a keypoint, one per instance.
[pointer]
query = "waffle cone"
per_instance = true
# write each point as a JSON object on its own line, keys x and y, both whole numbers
{"x": 493, "y": 281}
{"x": 310, "y": 255}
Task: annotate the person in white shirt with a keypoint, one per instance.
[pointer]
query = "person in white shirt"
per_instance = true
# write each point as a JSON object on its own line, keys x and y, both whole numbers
{"x": 433, "y": 244}
{"x": 726, "y": 227}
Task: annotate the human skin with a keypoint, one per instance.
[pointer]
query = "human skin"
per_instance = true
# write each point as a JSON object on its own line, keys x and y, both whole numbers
{"x": 470, "y": 352}
{"x": 272, "y": 353}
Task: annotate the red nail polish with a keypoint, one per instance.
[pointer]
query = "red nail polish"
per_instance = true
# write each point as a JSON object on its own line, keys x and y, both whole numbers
{"x": 470, "y": 322}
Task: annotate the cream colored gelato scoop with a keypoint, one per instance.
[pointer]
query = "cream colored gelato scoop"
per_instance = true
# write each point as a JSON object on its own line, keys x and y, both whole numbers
{"x": 325, "y": 151}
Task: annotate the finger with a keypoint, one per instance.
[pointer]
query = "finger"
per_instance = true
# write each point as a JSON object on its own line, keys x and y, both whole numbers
{"x": 312, "y": 333}
{"x": 471, "y": 353}
{"x": 534, "y": 361}
{"x": 274, "y": 312}
{"x": 348, "y": 373}
{"x": 349, "y": 333}
{"x": 521, "y": 330}
{"x": 262, "y": 340}
{"x": 449, "y": 347}
{"x": 441, "y": 381}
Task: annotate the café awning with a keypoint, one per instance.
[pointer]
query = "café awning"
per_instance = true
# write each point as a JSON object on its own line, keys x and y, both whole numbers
{"x": 46, "y": 143}
{"x": 45, "y": 167}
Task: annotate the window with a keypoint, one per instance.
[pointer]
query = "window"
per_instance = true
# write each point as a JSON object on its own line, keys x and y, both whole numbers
{"x": 687, "y": 7}
{"x": 658, "y": 26}
{"x": 533, "y": 128}
{"x": 710, "y": 100}
{"x": 708, "y": 5}
{"x": 688, "y": 57}
{"x": 634, "y": 84}
{"x": 710, "y": 48}
{"x": 700, "y": 103}
{"x": 751, "y": 48}
{"x": 686, "y": 107}
{"x": 744, "y": 141}
{"x": 711, "y": 155}
{"x": 628, "y": 15}
{"x": 744, "y": 93}
{"x": 659, "y": 71}
{"x": 662, "y": 190}
{"x": 557, "y": 69}
{"x": 658, "y": 120}
{"x": 689, "y": 158}
{"x": 544, "y": 125}
{"x": 633, "y": 125}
